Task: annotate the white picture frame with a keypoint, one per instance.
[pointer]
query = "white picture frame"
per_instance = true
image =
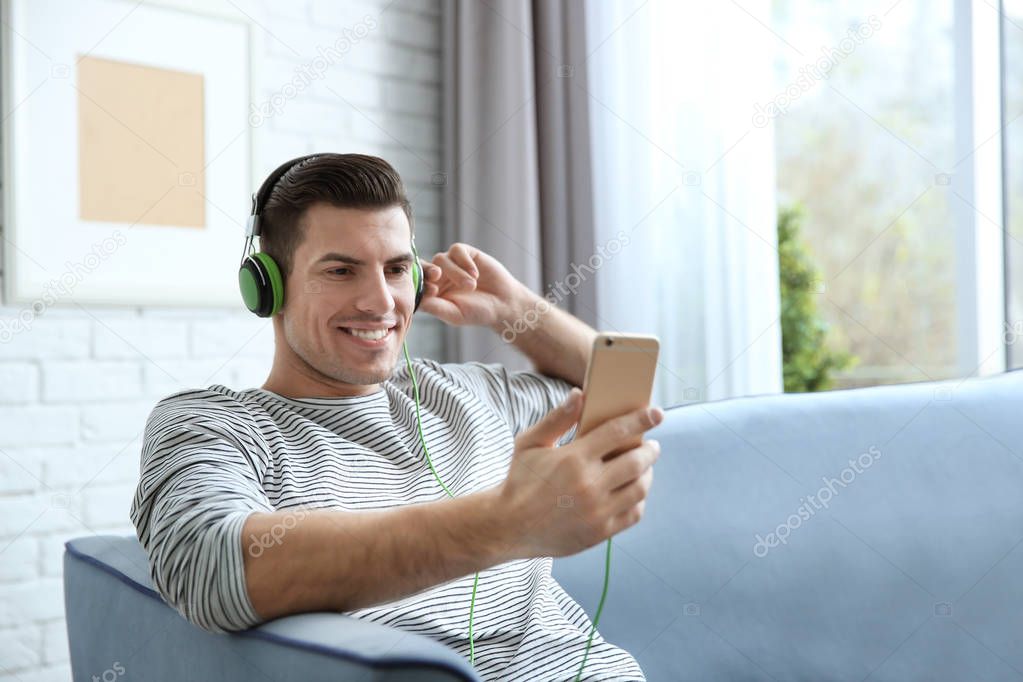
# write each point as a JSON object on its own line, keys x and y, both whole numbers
{"x": 52, "y": 256}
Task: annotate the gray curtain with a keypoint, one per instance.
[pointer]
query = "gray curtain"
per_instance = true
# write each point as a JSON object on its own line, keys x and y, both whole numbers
{"x": 516, "y": 176}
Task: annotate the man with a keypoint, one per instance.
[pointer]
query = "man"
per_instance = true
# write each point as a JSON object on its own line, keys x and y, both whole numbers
{"x": 315, "y": 493}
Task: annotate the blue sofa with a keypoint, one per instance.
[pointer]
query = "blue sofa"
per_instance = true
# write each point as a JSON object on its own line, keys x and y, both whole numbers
{"x": 873, "y": 534}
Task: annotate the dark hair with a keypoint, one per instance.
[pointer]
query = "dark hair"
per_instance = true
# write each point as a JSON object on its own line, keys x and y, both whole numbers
{"x": 343, "y": 180}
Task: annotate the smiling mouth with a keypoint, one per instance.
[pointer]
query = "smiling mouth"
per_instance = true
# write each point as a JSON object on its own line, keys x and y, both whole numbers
{"x": 368, "y": 334}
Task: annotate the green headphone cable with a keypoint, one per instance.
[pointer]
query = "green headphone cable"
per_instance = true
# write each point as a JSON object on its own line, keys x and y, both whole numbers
{"x": 600, "y": 607}
{"x": 422, "y": 439}
{"x": 475, "y": 582}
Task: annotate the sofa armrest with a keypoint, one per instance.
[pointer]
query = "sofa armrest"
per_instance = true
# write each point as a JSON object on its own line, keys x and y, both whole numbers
{"x": 114, "y": 616}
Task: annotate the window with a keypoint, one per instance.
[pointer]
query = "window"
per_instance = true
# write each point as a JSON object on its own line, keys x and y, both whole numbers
{"x": 1012, "y": 32}
{"x": 890, "y": 140}
{"x": 882, "y": 119}
{"x": 862, "y": 148}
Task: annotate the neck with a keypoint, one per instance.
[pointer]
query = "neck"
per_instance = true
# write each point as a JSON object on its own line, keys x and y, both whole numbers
{"x": 310, "y": 387}
{"x": 293, "y": 377}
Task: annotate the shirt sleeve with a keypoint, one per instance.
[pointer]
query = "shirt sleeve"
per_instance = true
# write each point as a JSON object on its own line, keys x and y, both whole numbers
{"x": 522, "y": 397}
{"x": 200, "y": 478}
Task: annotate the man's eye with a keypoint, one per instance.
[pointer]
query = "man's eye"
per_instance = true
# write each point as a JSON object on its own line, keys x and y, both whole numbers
{"x": 399, "y": 269}
{"x": 343, "y": 271}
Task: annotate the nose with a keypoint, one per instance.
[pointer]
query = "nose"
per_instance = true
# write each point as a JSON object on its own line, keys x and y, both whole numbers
{"x": 374, "y": 294}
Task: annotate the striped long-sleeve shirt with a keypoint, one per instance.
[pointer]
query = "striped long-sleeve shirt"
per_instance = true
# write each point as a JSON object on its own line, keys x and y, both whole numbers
{"x": 213, "y": 456}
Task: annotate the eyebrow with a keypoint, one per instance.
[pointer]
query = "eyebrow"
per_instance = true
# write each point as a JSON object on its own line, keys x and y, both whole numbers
{"x": 352, "y": 260}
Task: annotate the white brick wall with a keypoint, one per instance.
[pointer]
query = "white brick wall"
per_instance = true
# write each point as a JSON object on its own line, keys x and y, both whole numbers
{"x": 76, "y": 388}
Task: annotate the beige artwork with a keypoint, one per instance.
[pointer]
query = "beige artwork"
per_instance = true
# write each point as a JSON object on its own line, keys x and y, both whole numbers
{"x": 140, "y": 144}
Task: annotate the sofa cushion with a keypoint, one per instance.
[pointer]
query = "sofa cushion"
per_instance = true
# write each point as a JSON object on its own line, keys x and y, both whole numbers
{"x": 115, "y": 616}
{"x": 907, "y": 569}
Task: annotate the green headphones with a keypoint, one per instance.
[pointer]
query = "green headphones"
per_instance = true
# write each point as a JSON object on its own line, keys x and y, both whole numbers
{"x": 259, "y": 277}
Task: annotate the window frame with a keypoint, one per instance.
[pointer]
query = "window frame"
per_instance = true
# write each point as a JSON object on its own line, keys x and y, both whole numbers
{"x": 978, "y": 180}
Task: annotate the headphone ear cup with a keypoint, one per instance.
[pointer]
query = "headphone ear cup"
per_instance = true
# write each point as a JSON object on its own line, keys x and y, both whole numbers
{"x": 417, "y": 281}
{"x": 252, "y": 282}
{"x": 261, "y": 284}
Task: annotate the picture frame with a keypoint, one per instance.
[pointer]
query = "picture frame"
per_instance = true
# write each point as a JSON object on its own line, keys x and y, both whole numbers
{"x": 141, "y": 111}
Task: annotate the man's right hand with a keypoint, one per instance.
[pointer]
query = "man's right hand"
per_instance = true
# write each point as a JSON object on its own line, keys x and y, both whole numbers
{"x": 559, "y": 501}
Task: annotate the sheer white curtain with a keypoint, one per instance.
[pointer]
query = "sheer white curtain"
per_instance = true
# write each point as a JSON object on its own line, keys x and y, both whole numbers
{"x": 683, "y": 172}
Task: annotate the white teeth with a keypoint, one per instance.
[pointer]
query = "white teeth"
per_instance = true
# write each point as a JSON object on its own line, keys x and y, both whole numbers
{"x": 375, "y": 335}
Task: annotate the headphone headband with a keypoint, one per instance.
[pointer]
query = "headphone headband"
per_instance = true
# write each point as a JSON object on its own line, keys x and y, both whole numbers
{"x": 262, "y": 194}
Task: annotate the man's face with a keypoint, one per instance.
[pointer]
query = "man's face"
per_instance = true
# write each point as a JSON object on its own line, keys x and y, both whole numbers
{"x": 351, "y": 279}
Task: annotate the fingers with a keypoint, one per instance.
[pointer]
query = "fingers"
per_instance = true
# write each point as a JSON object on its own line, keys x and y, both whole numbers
{"x": 431, "y": 272}
{"x": 623, "y": 431}
{"x": 458, "y": 271}
{"x": 628, "y": 504}
{"x": 628, "y": 518}
{"x": 630, "y": 466}
{"x": 440, "y": 307}
{"x": 633, "y": 492}
{"x": 431, "y": 276}
{"x": 546, "y": 432}
{"x": 461, "y": 255}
